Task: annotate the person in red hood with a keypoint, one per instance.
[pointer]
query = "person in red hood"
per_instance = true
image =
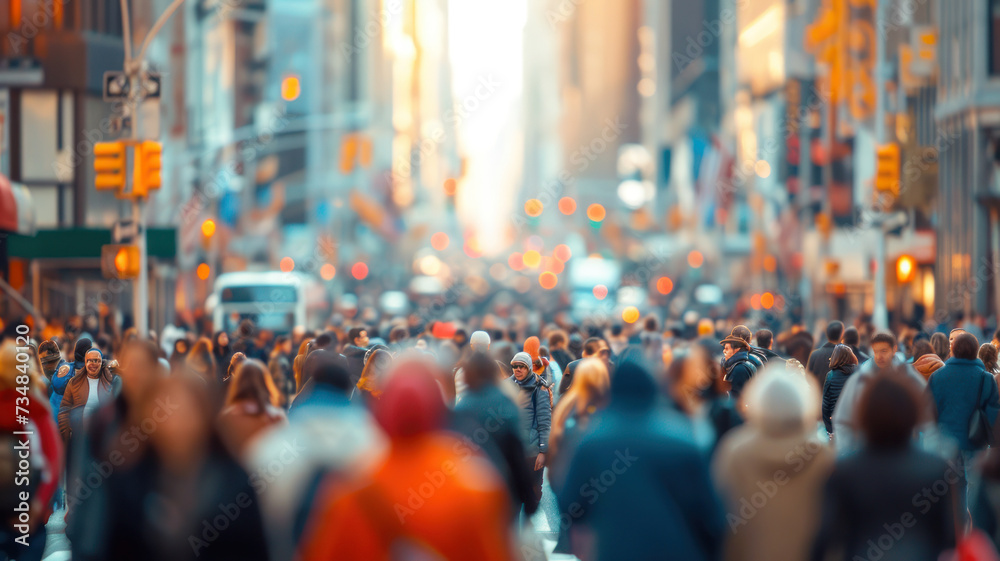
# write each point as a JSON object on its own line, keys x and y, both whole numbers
{"x": 28, "y": 412}
{"x": 433, "y": 494}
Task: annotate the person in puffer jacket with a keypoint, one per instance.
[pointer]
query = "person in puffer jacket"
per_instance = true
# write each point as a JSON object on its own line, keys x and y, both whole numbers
{"x": 843, "y": 363}
{"x": 65, "y": 372}
{"x": 536, "y": 420}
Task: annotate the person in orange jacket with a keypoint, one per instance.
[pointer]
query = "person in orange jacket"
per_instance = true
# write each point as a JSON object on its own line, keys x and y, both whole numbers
{"x": 432, "y": 494}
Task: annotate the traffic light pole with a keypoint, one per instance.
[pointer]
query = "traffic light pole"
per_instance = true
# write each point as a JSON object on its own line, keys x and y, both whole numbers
{"x": 880, "y": 315}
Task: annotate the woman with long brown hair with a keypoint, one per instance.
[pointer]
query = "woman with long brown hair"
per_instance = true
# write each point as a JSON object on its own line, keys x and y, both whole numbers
{"x": 843, "y": 363}
{"x": 251, "y": 407}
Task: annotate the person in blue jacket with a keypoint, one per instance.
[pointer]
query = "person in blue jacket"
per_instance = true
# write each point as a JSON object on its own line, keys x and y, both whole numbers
{"x": 638, "y": 482}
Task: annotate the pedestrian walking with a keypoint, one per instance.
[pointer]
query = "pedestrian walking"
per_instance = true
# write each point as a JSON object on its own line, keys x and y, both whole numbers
{"x": 536, "y": 421}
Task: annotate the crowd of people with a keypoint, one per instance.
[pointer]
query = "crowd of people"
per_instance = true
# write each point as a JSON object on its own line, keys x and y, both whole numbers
{"x": 401, "y": 441}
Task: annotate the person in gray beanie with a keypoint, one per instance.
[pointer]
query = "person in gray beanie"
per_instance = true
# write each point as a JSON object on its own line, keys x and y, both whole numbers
{"x": 536, "y": 420}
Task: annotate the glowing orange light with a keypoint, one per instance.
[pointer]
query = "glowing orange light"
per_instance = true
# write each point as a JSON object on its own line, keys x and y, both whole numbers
{"x": 533, "y": 207}
{"x": 664, "y": 285}
{"x": 600, "y": 292}
{"x": 562, "y": 252}
{"x": 548, "y": 280}
{"x": 208, "y": 228}
{"x": 596, "y": 212}
{"x": 567, "y": 205}
{"x": 121, "y": 259}
{"x": 630, "y": 314}
{"x": 290, "y": 88}
{"x": 286, "y": 265}
{"x": 906, "y": 268}
{"x": 516, "y": 261}
{"x": 203, "y": 271}
{"x": 770, "y": 263}
{"x": 755, "y": 301}
{"x": 450, "y": 186}
{"x": 532, "y": 259}
{"x": 359, "y": 271}
{"x": 472, "y": 248}
{"x": 696, "y": 259}
{"x": 439, "y": 241}
{"x": 767, "y": 300}
{"x": 327, "y": 271}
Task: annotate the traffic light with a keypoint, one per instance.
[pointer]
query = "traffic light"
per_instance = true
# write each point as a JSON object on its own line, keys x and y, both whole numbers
{"x": 109, "y": 166}
{"x": 120, "y": 261}
{"x": 906, "y": 269}
{"x": 887, "y": 169}
{"x": 146, "y": 170}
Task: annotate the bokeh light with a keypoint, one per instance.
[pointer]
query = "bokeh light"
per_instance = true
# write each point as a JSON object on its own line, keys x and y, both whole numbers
{"x": 439, "y": 241}
{"x": 567, "y": 205}
{"x": 762, "y": 168}
{"x": 203, "y": 271}
{"x": 532, "y": 259}
{"x": 430, "y": 265}
{"x": 548, "y": 280}
{"x": 290, "y": 88}
{"x": 664, "y": 285}
{"x": 767, "y": 300}
{"x": 359, "y": 271}
{"x": 450, "y": 186}
{"x": 630, "y": 314}
{"x": 516, "y": 261}
{"x": 208, "y": 227}
{"x": 755, "y": 301}
{"x": 562, "y": 252}
{"x": 533, "y": 207}
{"x": 596, "y": 212}
{"x": 770, "y": 263}
{"x": 327, "y": 272}
{"x": 534, "y": 242}
{"x": 696, "y": 259}
{"x": 287, "y": 265}
{"x": 552, "y": 264}
{"x": 600, "y": 292}
{"x": 472, "y": 248}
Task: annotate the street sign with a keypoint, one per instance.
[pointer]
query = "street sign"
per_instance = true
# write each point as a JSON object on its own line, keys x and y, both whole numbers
{"x": 116, "y": 85}
{"x": 124, "y": 231}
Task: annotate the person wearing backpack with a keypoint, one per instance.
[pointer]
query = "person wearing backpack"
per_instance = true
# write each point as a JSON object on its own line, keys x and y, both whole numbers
{"x": 736, "y": 364}
{"x": 536, "y": 420}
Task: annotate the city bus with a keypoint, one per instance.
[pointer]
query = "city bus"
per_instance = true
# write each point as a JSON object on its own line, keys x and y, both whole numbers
{"x": 274, "y": 301}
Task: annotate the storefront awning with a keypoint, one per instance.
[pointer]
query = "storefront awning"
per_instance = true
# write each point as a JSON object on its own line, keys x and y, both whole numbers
{"x": 17, "y": 212}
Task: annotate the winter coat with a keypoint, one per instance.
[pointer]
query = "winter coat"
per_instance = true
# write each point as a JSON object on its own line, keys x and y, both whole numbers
{"x": 75, "y": 398}
{"x": 845, "y": 423}
{"x": 217, "y": 517}
{"x": 567, "y": 378}
{"x": 771, "y": 357}
{"x": 326, "y": 435}
{"x": 58, "y": 385}
{"x": 834, "y": 384}
{"x": 431, "y": 497}
{"x": 819, "y": 361}
{"x": 739, "y": 369}
{"x": 880, "y": 496}
{"x": 639, "y": 483}
{"x": 776, "y": 458}
{"x": 493, "y": 422}
{"x": 536, "y": 415}
{"x": 355, "y": 362}
{"x": 954, "y": 388}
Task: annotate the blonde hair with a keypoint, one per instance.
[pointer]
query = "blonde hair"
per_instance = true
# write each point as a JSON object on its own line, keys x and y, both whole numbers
{"x": 9, "y": 371}
{"x": 587, "y": 394}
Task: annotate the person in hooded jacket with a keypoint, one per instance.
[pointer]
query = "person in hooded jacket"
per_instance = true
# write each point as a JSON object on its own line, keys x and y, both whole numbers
{"x": 645, "y": 485}
{"x": 536, "y": 421}
{"x": 843, "y": 363}
{"x": 378, "y": 515}
{"x": 65, "y": 372}
{"x": 776, "y": 454}
{"x": 738, "y": 366}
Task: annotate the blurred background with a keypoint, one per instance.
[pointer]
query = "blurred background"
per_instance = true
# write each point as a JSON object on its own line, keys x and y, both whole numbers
{"x": 787, "y": 160}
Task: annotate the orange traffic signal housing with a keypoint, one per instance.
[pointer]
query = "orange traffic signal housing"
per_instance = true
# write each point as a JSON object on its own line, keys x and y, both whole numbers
{"x": 887, "y": 169}
{"x": 109, "y": 166}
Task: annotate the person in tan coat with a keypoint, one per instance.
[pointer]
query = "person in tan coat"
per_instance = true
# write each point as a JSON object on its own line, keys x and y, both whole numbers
{"x": 771, "y": 471}
{"x": 250, "y": 409}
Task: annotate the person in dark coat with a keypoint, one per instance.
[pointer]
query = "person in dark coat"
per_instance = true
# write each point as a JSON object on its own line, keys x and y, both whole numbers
{"x": 819, "y": 359}
{"x": 954, "y": 390}
{"x": 756, "y": 356}
{"x": 592, "y": 347}
{"x": 639, "y": 484}
{"x": 765, "y": 342}
{"x": 843, "y": 363}
{"x": 488, "y": 417}
{"x": 737, "y": 364}
{"x": 355, "y": 351}
{"x": 186, "y": 499}
{"x": 223, "y": 354}
{"x": 890, "y": 501}
{"x": 536, "y": 422}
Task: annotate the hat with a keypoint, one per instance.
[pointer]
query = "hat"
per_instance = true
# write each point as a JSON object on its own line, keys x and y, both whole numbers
{"x": 80, "y": 352}
{"x": 480, "y": 339}
{"x": 928, "y": 364}
{"x": 734, "y": 341}
{"x": 531, "y": 346}
{"x": 521, "y": 358}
